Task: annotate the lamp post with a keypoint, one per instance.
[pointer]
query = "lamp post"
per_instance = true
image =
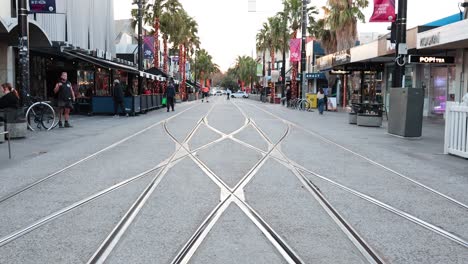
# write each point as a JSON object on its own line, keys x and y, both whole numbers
{"x": 140, "y": 44}
{"x": 401, "y": 47}
{"x": 303, "y": 47}
{"x": 23, "y": 50}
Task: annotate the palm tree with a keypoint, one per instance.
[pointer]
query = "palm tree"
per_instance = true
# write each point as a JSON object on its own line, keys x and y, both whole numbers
{"x": 204, "y": 66}
{"x": 341, "y": 18}
{"x": 152, "y": 14}
{"x": 261, "y": 43}
{"x": 294, "y": 10}
{"x": 324, "y": 34}
{"x": 169, "y": 26}
{"x": 185, "y": 34}
{"x": 245, "y": 70}
{"x": 275, "y": 37}
{"x": 284, "y": 43}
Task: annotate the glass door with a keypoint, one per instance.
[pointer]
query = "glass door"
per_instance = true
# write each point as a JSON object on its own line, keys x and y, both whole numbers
{"x": 439, "y": 90}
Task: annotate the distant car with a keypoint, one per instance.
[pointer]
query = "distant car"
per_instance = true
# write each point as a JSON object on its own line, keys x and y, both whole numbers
{"x": 219, "y": 92}
{"x": 240, "y": 94}
{"x": 212, "y": 92}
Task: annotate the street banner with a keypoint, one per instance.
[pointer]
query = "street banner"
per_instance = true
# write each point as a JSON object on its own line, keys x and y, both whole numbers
{"x": 295, "y": 50}
{"x": 259, "y": 69}
{"x": 42, "y": 6}
{"x": 148, "y": 47}
{"x": 384, "y": 11}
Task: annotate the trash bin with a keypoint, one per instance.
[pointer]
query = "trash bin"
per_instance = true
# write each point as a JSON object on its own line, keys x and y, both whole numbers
{"x": 406, "y": 112}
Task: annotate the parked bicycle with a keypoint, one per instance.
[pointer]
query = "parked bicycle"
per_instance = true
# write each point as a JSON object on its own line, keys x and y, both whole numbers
{"x": 300, "y": 104}
{"x": 40, "y": 115}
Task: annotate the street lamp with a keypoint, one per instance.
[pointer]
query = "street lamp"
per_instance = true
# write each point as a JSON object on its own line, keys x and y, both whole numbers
{"x": 303, "y": 46}
{"x": 140, "y": 4}
{"x": 23, "y": 50}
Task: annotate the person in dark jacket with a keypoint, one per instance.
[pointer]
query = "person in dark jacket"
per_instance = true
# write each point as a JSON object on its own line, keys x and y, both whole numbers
{"x": 10, "y": 98}
{"x": 170, "y": 94}
{"x": 288, "y": 96}
{"x": 66, "y": 97}
{"x": 118, "y": 96}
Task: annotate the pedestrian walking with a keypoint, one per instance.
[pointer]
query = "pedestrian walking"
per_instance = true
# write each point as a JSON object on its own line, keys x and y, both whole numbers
{"x": 170, "y": 94}
{"x": 66, "y": 97}
{"x": 321, "y": 100}
{"x": 228, "y": 93}
{"x": 325, "y": 98}
{"x": 118, "y": 97}
{"x": 206, "y": 93}
{"x": 288, "y": 96}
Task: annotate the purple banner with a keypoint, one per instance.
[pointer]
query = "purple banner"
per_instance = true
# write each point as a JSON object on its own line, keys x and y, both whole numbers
{"x": 42, "y": 6}
{"x": 295, "y": 50}
{"x": 148, "y": 48}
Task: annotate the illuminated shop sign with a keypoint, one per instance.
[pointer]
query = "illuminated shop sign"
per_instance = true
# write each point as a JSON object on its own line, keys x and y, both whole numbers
{"x": 431, "y": 59}
{"x": 339, "y": 72}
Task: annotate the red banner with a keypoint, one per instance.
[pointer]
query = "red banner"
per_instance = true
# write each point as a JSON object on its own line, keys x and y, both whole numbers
{"x": 384, "y": 11}
{"x": 295, "y": 50}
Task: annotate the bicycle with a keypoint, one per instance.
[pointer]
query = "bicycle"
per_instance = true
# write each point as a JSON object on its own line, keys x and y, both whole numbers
{"x": 41, "y": 115}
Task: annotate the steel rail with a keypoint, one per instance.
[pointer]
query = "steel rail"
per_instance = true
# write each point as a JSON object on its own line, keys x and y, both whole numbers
{"x": 453, "y": 200}
{"x": 37, "y": 182}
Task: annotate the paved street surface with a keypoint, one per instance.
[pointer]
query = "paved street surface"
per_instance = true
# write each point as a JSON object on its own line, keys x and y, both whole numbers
{"x": 231, "y": 182}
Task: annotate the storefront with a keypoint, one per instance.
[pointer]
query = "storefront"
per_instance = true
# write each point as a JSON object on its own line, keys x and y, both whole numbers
{"x": 448, "y": 82}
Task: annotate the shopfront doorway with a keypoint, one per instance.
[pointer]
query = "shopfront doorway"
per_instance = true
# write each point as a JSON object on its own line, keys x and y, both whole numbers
{"x": 442, "y": 88}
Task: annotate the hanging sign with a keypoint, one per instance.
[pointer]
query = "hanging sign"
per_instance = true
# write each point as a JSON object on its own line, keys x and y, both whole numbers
{"x": 148, "y": 47}
{"x": 384, "y": 11}
{"x": 295, "y": 49}
{"x": 431, "y": 59}
{"x": 42, "y": 6}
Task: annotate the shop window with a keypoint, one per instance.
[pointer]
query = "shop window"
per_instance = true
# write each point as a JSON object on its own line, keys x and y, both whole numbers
{"x": 85, "y": 81}
{"x": 102, "y": 83}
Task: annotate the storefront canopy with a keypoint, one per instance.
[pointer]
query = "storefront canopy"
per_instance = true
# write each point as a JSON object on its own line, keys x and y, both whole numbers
{"x": 100, "y": 62}
{"x": 157, "y": 71}
{"x": 193, "y": 84}
{"x": 151, "y": 76}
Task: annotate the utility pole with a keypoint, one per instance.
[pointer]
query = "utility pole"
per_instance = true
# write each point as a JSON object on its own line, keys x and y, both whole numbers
{"x": 140, "y": 44}
{"x": 303, "y": 47}
{"x": 283, "y": 66}
{"x": 401, "y": 46}
{"x": 23, "y": 50}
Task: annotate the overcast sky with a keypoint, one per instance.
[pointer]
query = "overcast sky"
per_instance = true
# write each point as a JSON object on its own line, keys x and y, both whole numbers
{"x": 227, "y": 29}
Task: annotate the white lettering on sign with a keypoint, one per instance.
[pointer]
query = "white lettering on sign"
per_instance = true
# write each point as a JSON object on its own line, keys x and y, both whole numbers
{"x": 431, "y": 60}
{"x": 429, "y": 41}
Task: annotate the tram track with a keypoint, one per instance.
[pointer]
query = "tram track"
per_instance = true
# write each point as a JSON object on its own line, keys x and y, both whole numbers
{"x": 232, "y": 195}
{"x": 298, "y": 169}
{"x": 229, "y": 196}
{"x": 61, "y": 212}
{"x": 369, "y": 160}
{"x": 97, "y": 153}
{"x": 236, "y": 194}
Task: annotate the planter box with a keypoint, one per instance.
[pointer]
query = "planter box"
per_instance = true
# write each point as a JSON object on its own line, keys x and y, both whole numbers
{"x": 352, "y": 118}
{"x": 369, "y": 120}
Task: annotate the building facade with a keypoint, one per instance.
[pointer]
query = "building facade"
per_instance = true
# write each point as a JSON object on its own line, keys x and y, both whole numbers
{"x": 86, "y": 25}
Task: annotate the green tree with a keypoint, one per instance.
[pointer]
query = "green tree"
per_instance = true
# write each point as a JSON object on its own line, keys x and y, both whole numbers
{"x": 245, "y": 70}
{"x": 203, "y": 66}
{"x": 341, "y": 17}
{"x": 293, "y": 9}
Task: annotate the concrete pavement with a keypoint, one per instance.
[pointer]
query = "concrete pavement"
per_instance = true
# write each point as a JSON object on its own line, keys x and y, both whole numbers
{"x": 231, "y": 182}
